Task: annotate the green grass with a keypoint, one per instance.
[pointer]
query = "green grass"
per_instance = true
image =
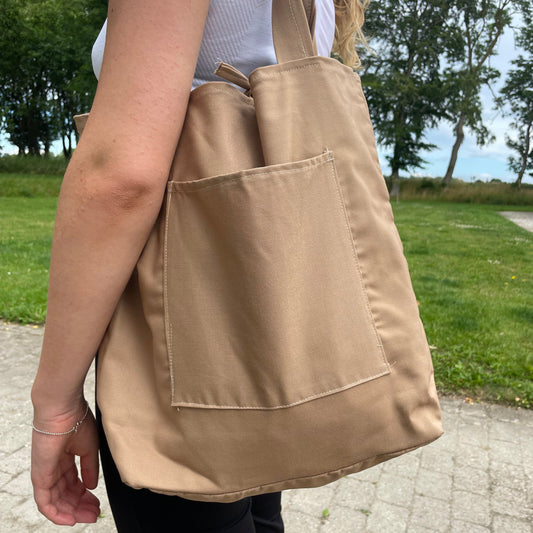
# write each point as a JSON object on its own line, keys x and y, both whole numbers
{"x": 29, "y": 186}
{"x": 26, "y": 226}
{"x": 472, "y": 272}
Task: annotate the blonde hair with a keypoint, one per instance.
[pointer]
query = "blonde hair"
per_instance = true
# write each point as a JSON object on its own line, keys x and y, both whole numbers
{"x": 349, "y": 19}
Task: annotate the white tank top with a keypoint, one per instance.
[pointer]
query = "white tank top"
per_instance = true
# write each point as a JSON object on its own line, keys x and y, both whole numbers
{"x": 239, "y": 32}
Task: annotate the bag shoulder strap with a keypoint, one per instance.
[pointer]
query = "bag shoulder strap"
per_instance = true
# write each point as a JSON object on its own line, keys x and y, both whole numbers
{"x": 293, "y": 25}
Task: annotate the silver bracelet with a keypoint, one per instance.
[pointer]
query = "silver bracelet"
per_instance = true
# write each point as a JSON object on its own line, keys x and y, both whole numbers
{"x": 73, "y": 430}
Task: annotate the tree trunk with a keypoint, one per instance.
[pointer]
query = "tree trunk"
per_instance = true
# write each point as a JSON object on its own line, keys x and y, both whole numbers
{"x": 395, "y": 166}
{"x": 393, "y": 180}
{"x": 32, "y": 134}
{"x": 459, "y": 138}
{"x": 67, "y": 145}
{"x": 525, "y": 156}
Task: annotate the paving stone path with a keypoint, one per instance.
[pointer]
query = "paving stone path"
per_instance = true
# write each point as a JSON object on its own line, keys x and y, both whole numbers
{"x": 524, "y": 219}
{"x": 477, "y": 478}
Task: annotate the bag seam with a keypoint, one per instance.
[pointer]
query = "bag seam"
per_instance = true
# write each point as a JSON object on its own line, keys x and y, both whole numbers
{"x": 358, "y": 266}
{"x": 228, "y": 179}
{"x": 375, "y": 459}
{"x": 168, "y": 323}
{"x": 295, "y": 23}
{"x": 265, "y": 74}
{"x": 263, "y": 408}
{"x": 248, "y": 100}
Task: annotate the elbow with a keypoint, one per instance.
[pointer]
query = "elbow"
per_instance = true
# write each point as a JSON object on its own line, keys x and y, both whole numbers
{"x": 121, "y": 175}
{"x": 132, "y": 190}
{"x": 118, "y": 188}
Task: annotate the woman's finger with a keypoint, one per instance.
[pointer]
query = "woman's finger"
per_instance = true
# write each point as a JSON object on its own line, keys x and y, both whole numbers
{"x": 87, "y": 515}
{"x": 89, "y": 463}
{"x": 88, "y": 509}
{"x": 89, "y": 470}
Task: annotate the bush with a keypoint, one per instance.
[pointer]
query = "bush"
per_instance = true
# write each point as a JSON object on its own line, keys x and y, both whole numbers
{"x": 33, "y": 164}
{"x": 427, "y": 183}
{"x": 495, "y": 193}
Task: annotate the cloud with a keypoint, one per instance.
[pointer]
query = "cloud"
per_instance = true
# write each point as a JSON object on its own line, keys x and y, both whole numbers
{"x": 421, "y": 175}
{"x": 484, "y": 176}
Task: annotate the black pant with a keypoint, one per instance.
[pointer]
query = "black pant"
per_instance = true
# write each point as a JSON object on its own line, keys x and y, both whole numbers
{"x": 144, "y": 511}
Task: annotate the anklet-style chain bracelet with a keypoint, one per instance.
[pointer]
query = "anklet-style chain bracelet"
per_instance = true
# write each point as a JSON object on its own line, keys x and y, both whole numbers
{"x": 73, "y": 430}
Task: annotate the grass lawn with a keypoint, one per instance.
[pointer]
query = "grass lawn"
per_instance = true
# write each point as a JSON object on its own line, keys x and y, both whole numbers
{"x": 30, "y": 186}
{"x": 26, "y": 226}
{"x": 472, "y": 271}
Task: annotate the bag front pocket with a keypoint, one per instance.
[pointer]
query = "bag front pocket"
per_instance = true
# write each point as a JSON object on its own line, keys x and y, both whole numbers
{"x": 265, "y": 306}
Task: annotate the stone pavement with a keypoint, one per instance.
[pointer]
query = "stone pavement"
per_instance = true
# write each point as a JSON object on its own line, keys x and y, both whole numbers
{"x": 524, "y": 219}
{"x": 477, "y": 478}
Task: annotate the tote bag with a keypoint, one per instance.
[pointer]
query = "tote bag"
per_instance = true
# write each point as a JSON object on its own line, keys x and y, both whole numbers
{"x": 269, "y": 337}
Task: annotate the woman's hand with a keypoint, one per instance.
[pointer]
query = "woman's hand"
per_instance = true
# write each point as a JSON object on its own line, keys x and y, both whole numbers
{"x": 60, "y": 494}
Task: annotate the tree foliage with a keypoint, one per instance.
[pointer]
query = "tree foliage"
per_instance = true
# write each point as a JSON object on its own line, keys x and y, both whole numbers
{"x": 45, "y": 69}
{"x": 403, "y": 80}
{"x": 474, "y": 29}
{"x": 432, "y": 57}
{"x": 517, "y": 93}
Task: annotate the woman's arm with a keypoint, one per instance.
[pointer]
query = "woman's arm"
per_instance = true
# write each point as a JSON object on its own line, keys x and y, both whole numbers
{"x": 109, "y": 200}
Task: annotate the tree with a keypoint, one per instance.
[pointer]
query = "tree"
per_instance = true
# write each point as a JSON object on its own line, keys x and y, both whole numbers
{"x": 518, "y": 94}
{"x": 22, "y": 88}
{"x": 45, "y": 72}
{"x": 403, "y": 80}
{"x": 474, "y": 32}
{"x": 72, "y": 78}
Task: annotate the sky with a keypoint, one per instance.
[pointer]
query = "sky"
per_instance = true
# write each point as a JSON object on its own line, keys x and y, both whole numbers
{"x": 474, "y": 162}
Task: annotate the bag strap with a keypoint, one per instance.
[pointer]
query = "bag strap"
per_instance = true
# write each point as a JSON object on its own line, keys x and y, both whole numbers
{"x": 293, "y": 28}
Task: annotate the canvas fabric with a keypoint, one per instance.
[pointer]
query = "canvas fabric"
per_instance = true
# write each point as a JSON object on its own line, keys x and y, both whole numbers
{"x": 269, "y": 337}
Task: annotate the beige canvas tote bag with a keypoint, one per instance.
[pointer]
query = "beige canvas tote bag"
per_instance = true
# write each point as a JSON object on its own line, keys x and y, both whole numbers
{"x": 269, "y": 337}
